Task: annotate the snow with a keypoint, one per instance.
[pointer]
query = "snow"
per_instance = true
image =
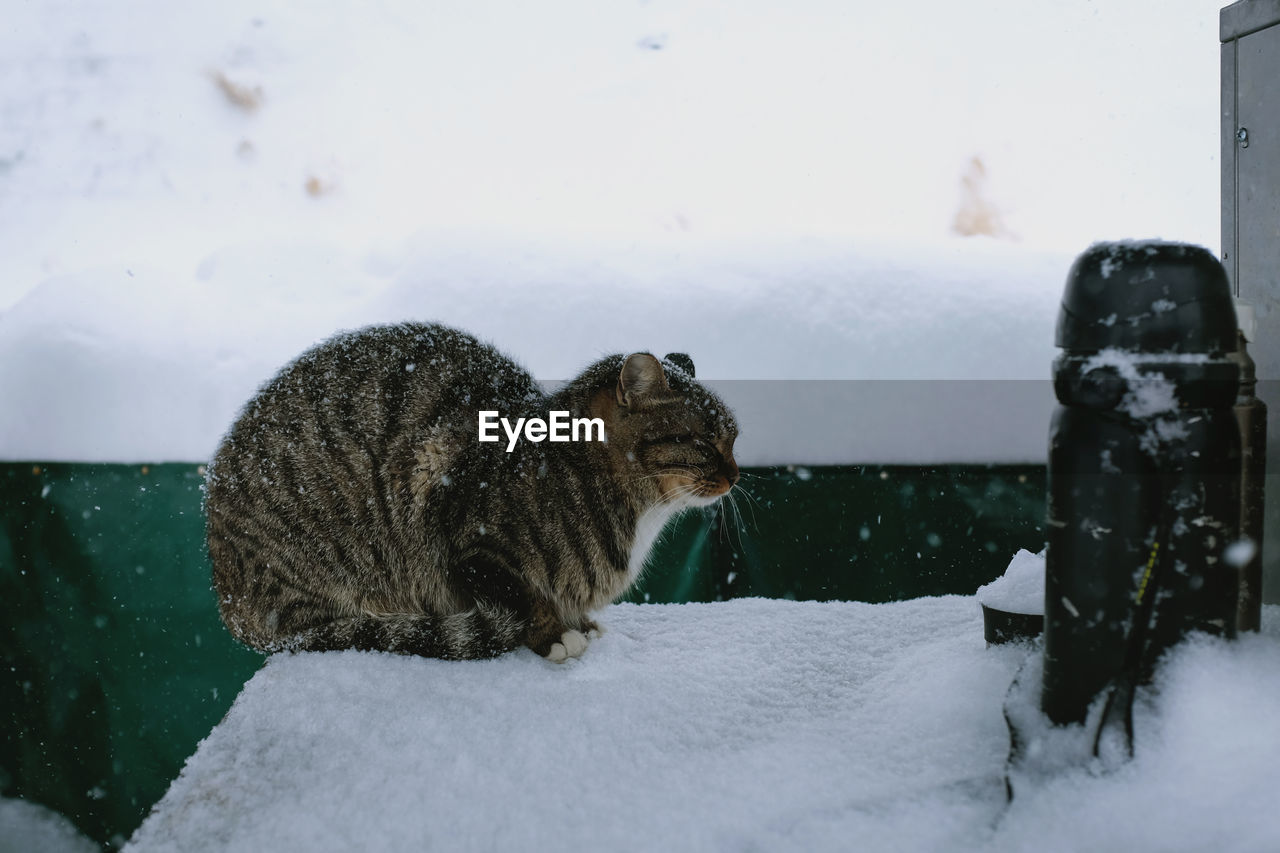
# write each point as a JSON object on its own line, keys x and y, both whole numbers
{"x": 750, "y": 117}
{"x": 168, "y": 387}
{"x": 189, "y": 197}
{"x": 743, "y": 724}
{"x": 26, "y": 826}
{"x": 1148, "y": 393}
{"x": 1206, "y": 746}
{"x": 1020, "y": 589}
{"x": 1239, "y": 553}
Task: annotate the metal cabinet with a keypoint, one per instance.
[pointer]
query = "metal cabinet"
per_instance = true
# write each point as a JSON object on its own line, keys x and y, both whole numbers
{"x": 1250, "y": 35}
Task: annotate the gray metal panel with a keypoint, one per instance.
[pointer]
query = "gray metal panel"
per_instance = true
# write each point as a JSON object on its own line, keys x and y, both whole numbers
{"x": 1256, "y": 239}
{"x": 1230, "y": 250}
{"x": 1247, "y": 16}
{"x": 1257, "y": 206}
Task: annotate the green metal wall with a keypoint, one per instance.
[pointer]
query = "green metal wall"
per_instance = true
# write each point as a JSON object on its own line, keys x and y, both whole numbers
{"x": 115, "y": 663}
{"x": 115, "y": 660}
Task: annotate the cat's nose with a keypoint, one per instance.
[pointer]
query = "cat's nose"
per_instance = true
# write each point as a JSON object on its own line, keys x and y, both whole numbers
{"x": 731, "y": 472}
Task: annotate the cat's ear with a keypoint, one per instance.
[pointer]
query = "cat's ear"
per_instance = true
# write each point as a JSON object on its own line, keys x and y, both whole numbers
{"x": 682, "y": 361}
{"x": 641, "y": 374}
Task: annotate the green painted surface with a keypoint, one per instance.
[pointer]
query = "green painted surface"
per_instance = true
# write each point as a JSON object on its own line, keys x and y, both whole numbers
{"x": 116, "y": 660}
{"x": 115, "y": 664}
{"x": 854, "y": 533}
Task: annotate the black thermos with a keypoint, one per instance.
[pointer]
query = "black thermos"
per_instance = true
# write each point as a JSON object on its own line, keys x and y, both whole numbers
{"x": 1144, "y": 468}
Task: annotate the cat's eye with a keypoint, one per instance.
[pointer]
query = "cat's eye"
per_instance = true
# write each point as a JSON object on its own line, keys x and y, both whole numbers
{"x": 702, "y": 444}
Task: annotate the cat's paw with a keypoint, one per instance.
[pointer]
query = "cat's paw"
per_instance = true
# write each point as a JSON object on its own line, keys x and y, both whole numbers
{"x": 572, "y": 644}
{"x": 593, "y": 629}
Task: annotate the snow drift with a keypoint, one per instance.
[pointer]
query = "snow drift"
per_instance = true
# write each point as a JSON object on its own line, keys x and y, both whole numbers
{"x": 190, "y": 196}
{"x": 926, "y": 352}
{"x": 748, "y": 724}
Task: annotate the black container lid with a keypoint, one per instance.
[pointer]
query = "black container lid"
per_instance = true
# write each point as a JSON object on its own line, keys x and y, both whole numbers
{"x": 1149, "y": 296}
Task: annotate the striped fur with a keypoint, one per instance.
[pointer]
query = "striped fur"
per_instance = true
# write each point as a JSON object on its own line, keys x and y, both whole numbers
{"x": 352, "y": 506}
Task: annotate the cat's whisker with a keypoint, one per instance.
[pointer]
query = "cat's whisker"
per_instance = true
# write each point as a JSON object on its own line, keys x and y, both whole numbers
{"x": 751, "y": 501}
{"x": 726, "y": 527}
{"x": 733, "y": 503}
{"x": 679, "y": 491}
{"x": 743, "y": 489}
{"x": 737, "y": 515}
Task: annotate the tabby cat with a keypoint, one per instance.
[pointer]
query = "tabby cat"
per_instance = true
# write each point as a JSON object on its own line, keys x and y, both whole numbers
{"x": 351, "y": 505}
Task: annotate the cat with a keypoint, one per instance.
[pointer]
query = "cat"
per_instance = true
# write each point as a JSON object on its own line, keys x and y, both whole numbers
{"x": 352, "y": 504}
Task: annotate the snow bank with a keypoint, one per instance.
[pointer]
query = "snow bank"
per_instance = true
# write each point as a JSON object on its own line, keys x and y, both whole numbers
{"x": 139, "y": 364}
{"x": 750, "y": 723}
{"x": 152, "y": 133}
{"x": 26, "y": 826}
{"x": 191, "y": 195}
{"x": 1207, "y": 762}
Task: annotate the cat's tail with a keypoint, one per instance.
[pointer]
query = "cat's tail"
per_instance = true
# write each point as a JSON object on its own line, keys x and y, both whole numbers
{"x": 484, "y": 631}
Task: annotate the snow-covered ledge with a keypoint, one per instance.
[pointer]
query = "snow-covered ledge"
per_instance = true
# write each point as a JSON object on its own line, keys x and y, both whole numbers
{"x": 748, "y": 724}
